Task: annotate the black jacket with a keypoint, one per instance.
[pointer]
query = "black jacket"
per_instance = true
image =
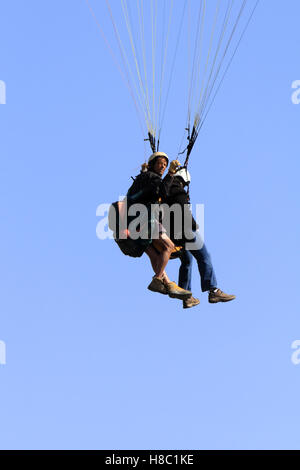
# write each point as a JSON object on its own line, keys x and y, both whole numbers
{"x": 178, "y": 195}
{"x": 148, "y": 187}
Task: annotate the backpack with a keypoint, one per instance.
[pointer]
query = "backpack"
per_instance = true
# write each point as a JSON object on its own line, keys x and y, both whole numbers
{"x": 116, "y": 223}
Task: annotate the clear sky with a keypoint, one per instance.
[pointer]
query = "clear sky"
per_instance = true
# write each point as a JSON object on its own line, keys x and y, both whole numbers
{"x": 93, "y": 359}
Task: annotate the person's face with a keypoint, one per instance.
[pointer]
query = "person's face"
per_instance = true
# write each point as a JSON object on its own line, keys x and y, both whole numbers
{"x": 160, "y": 165}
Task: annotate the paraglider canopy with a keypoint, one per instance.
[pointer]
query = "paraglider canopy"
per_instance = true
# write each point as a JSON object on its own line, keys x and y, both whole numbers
{"x": 147, "y": 38}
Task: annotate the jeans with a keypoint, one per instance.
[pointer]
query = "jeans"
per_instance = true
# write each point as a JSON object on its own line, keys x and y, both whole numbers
{"x": 206, "y": 270}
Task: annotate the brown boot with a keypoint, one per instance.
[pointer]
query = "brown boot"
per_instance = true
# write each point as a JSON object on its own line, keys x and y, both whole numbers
{"x": 191, "y": 302}
{"x": 157, "y": 285}
{"x": 219, "y": 296}
{"x": 175, "y": 292}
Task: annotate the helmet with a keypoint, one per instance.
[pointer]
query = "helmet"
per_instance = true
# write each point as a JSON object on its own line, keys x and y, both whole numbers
{"x": 157, "y": 155}
{"x": 184, "y": 174}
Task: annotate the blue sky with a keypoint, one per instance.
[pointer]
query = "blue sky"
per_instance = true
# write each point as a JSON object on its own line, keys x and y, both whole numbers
{"x": 95, "y": 360}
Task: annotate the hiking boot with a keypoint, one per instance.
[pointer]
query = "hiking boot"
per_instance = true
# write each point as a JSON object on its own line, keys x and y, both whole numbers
{"x": 157, "y": 285}
{"x": 219, "y": 296}
{"x": 191, "y": 302}
{"x": 175, "y": 292}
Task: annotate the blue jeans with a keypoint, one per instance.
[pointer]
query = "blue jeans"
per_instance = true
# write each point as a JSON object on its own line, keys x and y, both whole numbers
{"x": 206, "y": 270}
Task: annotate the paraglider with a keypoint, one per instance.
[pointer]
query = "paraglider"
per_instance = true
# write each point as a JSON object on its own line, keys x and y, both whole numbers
{"x": 148, "y": 35}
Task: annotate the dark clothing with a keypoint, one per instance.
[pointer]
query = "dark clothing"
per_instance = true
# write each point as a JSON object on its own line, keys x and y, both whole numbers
{"x": 182, "y": 233}
{"x": 148, "y": 187}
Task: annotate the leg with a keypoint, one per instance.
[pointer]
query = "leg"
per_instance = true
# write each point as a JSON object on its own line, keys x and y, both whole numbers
{"x": 206, "y": 270}
{"x": 165, "y": 247}
{"x": 207, "y": 274}
{"x": 155, "y": 261}
{"x": 185, "y": 277}
{"x": 185, "y": 270}
{"x": 159, "y": 255}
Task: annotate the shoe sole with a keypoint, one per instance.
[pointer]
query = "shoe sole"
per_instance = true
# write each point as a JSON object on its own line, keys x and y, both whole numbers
{"x": 191, "y": 306}
{"x": 220, "y": 300}
{"x": 157, "y": 291}
{"x": 180, "y": 296}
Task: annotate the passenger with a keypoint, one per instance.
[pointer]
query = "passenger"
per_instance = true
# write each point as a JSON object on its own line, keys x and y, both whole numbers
{"x": 148, "y": 188}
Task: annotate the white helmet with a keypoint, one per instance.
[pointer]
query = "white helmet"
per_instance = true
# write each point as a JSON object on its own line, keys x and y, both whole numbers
{"x": 158, "y": 154}
{"x": 184, "y": 174}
